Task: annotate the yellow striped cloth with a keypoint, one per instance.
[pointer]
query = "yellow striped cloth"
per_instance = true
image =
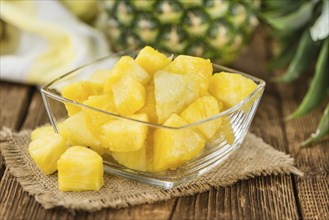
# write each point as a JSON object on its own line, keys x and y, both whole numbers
{"x": 50, "y": 42}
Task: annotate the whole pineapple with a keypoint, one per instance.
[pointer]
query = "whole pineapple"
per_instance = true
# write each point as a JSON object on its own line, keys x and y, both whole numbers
{"x": 208, "y": 28}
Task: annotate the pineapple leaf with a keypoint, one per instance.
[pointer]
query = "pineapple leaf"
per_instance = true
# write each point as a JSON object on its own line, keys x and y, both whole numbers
{"x": 319, "y": 85}
{"x": 294, "y": 20}
{"x": 305, "y": 51}
{"x": 320, "y": 29}
{"x": 322, "y": 129}
{"x": 279, "y": 8}
{"x": 284, "y": 58}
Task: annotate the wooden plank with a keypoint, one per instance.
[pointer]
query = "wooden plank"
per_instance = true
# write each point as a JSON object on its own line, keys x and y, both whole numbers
{"x": 244, "y": 200}
{"x": 14, "y": 99}
{"x": 37, "y": 114}
{"x": 312, "y": 189}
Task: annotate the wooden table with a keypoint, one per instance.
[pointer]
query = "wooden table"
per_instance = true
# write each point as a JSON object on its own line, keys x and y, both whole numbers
{"x": 271, "y": 197}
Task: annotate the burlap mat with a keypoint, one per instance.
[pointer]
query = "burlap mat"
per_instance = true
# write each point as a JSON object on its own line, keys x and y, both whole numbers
{"x": 253, "y": 158}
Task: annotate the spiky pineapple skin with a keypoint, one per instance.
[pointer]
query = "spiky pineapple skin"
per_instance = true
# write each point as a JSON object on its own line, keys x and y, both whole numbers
{"x": 207, "y": 28}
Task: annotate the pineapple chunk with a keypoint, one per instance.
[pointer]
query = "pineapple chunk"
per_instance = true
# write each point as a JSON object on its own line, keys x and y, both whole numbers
{"x": 79, "y": 92}
{"x": 80, "y": 169}
{"x": 42, "y": 131}
{"x": 46, "y": 150}
{"x": 149, "y": 107}
{"x": 125, "y": 135}
{"x": 134, "y": 160}
{"x": 152, "y": 60}
{"x": 138, "y": 160}
{"x": 100, "y": 76}
{"x": 129, "y": 95}
{"x": 126, "y": 66}
{"x": 174, "y": 147}
{"x": 227, "y": 131}
{"x": 198, "y": 68}
{"x": 230, "y": 88}
{"x": 94, "y": 119}
{"x": 201, "y": 109}
{"x": 75, "y": 131}
{"x": 173, "y": 93}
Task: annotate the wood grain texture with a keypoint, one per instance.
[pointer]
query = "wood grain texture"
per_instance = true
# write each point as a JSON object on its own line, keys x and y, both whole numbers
{"x": 312, "y": 189}
{"x": 37, "y": 114}
{"x": 14, "y": 100}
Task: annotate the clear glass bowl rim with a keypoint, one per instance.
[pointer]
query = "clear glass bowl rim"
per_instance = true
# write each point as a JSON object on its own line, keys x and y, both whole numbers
{"x": 260, "y": 87}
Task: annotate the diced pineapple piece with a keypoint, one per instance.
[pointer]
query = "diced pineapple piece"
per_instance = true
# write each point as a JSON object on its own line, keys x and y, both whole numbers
{"x": 227, "y": 131}
{"x": 140, "y": 159}
{"x": 79, "y": 92}
{"x": 152, "y": 60}
{"x": 100, "y": 76}
{"x": 43, "y": 131}
{"x": 230, "y": 88}
{"x": 129, "y": 95}
{"x": 149, "y": 149}
{"x": 173, "y": 147}
{"x": 224, "y": 130}
{"x": 75, "y": 131}
{"x": 198, "y": 68}
{"x": 134, "y": 160}
{"x": 201, "y": 109}
{"x": 126, "y": 66}
{"x": 173, "y": 93}
{"x": 80, "y": 169}
{"x": 125, "y": 135}
{"x": 149, "y": 106}
{"x": 94, "y": 119}
{"x": 46, "y": 150}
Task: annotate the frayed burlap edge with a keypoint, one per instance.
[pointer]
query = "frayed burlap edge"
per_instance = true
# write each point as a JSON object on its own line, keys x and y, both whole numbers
{"x": 44, "y": 188}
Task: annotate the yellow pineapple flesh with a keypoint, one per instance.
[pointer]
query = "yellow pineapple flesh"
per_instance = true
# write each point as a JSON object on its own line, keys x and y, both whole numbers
{"x": 230, "y": 88}
{"x": 152, "y": 60}
{"x": 134, "y": 159}
{"x": 46, "y": 150}
{"x": 197, "y": 68}
{"x": 42, "y": 131}
{"x": 201, "y": 109}
{"x": 173, "y": 93}
{"x": 80, "y": 169}
{"x": 125, "y": 135}
{"x": 79, "y": 92}
{"x": 76, "y": 132}
{"x": 138, "y": 160}
{"x": 129, "y": 95}
{"x": 100, "y": 76}
{"x": 126, "y": 66}
{"x": 173, "y": 147}
{"x": 225, "y": 130}
{"x": 149, "y": 106}
{"x": 95, "y": 119}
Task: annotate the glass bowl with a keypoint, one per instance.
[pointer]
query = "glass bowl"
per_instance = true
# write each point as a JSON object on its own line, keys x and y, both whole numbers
{"x": 233, "y": 125}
